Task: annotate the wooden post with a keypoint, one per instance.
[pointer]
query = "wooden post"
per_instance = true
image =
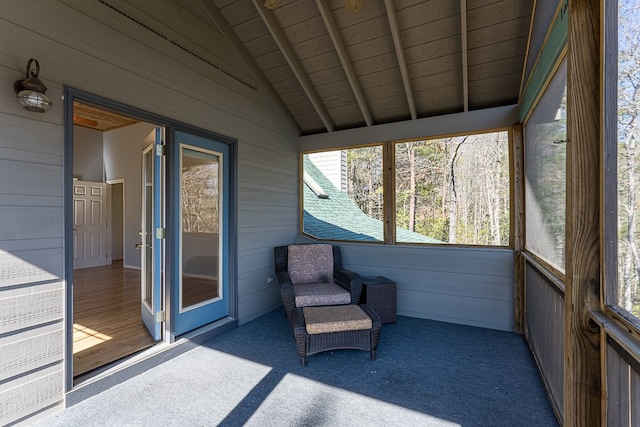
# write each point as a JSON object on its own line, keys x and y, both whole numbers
{"x": 389, "y": 191}
{"x": 582, "y": 381}
{"x": 518, "y": 229}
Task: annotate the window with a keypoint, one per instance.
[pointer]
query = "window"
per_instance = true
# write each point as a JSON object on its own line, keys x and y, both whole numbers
{"x": 628, "y": 159}
{"x": 452, "y": 190}
{"x": 342, "y": 194}
{"x": 545, "y": 153}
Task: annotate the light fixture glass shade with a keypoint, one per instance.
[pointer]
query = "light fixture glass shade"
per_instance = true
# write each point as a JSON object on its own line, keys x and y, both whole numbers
{"x": 34, "y": 101}
{"x": 31, "y": 90}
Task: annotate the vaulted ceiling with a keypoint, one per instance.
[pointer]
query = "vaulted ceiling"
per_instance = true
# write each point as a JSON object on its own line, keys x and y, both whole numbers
{"x": 330, "y": 68}
{"x": 390, "y": 61}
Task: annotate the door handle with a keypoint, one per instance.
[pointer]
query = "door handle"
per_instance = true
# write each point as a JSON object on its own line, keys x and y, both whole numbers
{"x": 139, "y": 245}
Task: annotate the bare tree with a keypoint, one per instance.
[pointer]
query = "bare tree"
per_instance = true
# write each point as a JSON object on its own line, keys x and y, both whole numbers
{"x": 628, "y": 134}
{"x": 364, "y": 185}
{"x": 412, "y": 186}
{"x": 453, "y": 197}
{"x": 452, "y": 189}
{"x": 200, "y": 199}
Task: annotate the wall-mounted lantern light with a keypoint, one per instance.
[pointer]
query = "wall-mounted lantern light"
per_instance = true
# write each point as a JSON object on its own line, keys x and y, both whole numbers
{"x": 31, "y": 90}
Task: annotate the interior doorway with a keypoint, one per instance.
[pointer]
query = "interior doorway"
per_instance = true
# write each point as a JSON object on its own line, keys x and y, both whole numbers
{"x": 116, "y": 201}
{"x": 176, "y": 273}
{"x": 107, "y": 324}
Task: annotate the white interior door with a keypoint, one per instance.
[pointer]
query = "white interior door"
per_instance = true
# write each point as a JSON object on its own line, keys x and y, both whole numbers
{"x": 89, "y": 224}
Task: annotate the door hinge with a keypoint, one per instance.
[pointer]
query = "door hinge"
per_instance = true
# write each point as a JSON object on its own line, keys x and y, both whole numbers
{"x": 160, "y": 317}
{"x": 160, "y": 150}
{"x": 160, "y": 233}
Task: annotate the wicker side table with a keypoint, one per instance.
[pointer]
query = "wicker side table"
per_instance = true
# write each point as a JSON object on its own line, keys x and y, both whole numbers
{"x": 379, "y": 293}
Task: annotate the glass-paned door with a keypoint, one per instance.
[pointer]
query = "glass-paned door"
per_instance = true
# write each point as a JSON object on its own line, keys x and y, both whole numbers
{"x": 200, "y": 284}
{"x": 151, "y": 245}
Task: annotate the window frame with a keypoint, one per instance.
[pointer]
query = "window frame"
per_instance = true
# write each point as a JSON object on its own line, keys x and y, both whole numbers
{"x": 389, "y": 192}
{"x": 609, "y": 173}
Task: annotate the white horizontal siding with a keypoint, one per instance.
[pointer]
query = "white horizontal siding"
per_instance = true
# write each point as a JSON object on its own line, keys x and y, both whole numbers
{"x": 29, "y": 139}
{"x": 30, "y": 396}
{"x": 30, "y": 311}
{"x": 29, "y": 354}
{"x": 30, "y": 266}
{"x": 30, "y": 222}
{"x": 25, "y": 178}
{"x": 470, "y": 286}
{"x": 333, "y": 166}
{"x": 88, "y": 46}
{"x": 268, "y": 211}
{"x": 31, "y": 263}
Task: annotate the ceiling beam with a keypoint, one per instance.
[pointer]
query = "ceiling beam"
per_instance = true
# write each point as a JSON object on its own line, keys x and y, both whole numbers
{"x": 465, "y": 67}
{"x": 426, "y": 127}
{"x": 280, "y": 38}
{"x": 235, "y": 41}
{"x": 345, "y": 60}
{"x": 402, "y": 61}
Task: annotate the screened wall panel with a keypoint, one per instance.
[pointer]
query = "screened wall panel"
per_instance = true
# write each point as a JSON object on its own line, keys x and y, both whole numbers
{"x": 545, "y": 142}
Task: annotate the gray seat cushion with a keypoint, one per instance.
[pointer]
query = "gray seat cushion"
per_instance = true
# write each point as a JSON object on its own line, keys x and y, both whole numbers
{"x": 315, "y": 294}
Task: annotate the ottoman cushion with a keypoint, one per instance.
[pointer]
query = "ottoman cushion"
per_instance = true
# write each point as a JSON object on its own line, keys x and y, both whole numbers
{"x": 322, "y": 320}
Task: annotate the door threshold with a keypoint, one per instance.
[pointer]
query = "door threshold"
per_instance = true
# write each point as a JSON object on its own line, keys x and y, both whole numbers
{"x": 101, "y": 379}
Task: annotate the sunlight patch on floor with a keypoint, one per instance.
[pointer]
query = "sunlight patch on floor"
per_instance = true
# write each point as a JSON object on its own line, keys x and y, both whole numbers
{"x": 302, "y": 401}
{"x": 84, "y": 338}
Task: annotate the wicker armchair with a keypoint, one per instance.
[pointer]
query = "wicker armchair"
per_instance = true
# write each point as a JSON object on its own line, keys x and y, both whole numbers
{"x": 313, "y": 275}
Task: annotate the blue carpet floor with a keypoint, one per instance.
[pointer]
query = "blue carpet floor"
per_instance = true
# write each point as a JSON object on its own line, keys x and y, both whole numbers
{"x": 426, "y": 373}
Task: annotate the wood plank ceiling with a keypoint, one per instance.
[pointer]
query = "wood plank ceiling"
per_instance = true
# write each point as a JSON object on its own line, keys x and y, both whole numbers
{"x": 391, "y": 61}
{"x": 98, "y": 118}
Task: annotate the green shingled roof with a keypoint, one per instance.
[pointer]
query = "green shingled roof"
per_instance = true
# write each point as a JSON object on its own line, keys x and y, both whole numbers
{"x": 337, "y": 217}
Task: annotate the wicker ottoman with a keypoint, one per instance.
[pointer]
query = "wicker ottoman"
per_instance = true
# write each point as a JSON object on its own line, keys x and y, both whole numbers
{"x": 336, "y": 327}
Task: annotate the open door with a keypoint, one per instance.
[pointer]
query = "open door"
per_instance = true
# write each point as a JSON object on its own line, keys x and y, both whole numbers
{"x": 200, "y": 224}
{"x": 152, "y": 235}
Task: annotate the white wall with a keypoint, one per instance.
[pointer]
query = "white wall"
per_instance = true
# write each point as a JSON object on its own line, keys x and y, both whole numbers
{"x": 123, "y": 160}
{"x": 90, "y": 47}
{"x": 469, "y": 286}
{"x": 333, "y": 165}
{"x": 87, "y": 155}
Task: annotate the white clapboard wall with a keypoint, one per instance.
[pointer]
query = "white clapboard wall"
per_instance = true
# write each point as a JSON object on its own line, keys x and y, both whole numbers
{"x": 469, "y": 286}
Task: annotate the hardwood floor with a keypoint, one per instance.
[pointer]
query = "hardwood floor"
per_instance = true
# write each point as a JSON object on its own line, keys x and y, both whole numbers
{"x": 106, "y": 316}
{"x": 197, "y": 289}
